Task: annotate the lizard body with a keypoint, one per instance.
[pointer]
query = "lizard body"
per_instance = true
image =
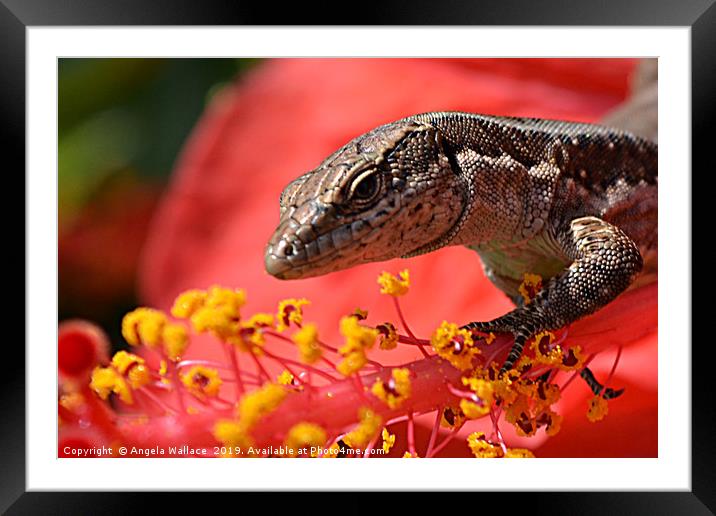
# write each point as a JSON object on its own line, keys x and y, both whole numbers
{"x": 575, "y": 203}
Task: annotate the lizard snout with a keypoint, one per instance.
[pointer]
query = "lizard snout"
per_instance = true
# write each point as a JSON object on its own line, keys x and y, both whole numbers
{"x": 276, "y": 259}
{"x": 297, "y": 242}
{"x": 284, "y": 254}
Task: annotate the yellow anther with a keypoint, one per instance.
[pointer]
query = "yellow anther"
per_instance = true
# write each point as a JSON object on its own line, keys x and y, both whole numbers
{"x": 256, "y": 404}
{"x": 482, "y": 448}
{"x": 357, "y": 336}
{"x": 305, "y": 436}
{"x": 358, "y": 339}
{"x": 202, "y": 380}
{"x": 474, "y": 410}
{"x": 290, "y": 311}
{"x": 367, "y": 429}
{"x": 352, "y": 362}
{"x": 394, "y": 286}
{"x": 143, "y": 326}
{"x": 519, "y": 453}
{"x": 187, "y": 303}
{"x": 232, "y": 434}
{"x": 454, "y": 345}
{"x": 388, "y": 336}
{"x": 285, "y": 378}
{"x": 106, "y": 380}
{"x": 396, "y": 390}
{"x": 175, "y": 340}
{"x": 122, "y": 361}
{"x": 388, "y": 440}
{"x": 260, "y": 320}
{"x": 530, "y": 286}
{"x": 598, "y": 409}
{"x": 306, "y": 340}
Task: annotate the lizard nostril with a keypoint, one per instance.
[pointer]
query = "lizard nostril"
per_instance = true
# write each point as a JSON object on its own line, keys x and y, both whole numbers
{"x": 288, "y": 250}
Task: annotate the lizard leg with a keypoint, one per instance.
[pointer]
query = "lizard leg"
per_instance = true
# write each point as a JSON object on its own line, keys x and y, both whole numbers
{"x": 605, "y": 261}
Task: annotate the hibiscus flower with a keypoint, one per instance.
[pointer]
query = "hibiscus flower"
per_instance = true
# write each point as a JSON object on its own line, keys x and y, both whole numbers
{"x": 212, "y": 226}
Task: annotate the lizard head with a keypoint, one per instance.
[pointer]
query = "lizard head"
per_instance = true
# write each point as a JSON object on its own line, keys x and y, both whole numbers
{"x": 388, "y": 193}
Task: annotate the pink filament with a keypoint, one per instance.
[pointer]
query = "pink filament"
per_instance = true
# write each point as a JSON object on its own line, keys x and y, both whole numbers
{"x": 338, "y": 413}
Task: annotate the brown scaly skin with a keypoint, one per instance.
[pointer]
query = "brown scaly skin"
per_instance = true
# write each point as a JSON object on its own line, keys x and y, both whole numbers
{"x": 574, "y": 203}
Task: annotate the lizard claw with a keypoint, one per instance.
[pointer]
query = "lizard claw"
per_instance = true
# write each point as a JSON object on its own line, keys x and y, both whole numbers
{"x": 520, "y": 334}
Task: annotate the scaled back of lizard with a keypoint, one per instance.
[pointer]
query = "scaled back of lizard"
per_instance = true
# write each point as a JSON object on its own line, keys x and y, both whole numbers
{"x": 574, "y": 203}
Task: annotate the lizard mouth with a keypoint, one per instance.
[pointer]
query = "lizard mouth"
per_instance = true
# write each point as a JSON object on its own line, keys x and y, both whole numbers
{"x": 288, "y": 257}
{"x": 285, "y": 268}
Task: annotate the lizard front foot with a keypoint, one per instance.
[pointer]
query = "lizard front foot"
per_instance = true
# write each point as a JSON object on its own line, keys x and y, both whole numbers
{"x": 520, "y": 326}
{"x": 605, "y": 262}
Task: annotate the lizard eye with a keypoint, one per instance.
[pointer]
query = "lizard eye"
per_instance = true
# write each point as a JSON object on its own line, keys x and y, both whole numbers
{"x": 365, "y": 186}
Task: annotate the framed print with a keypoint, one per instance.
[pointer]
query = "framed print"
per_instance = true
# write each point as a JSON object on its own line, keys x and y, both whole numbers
{"x": 433, "y": 243}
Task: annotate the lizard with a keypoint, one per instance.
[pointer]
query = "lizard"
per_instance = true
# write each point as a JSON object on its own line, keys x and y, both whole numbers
{"x": 575, "y": 203}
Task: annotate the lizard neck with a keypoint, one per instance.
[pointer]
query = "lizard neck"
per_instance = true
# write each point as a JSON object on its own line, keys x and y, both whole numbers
{"x": 492, "y": 204}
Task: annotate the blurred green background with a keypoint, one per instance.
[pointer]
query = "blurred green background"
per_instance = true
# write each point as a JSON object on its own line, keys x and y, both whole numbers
{"x": 122, "y": 124}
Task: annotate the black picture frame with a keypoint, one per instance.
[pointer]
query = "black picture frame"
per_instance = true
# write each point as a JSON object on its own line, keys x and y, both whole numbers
{"x": 17, "y": 15}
